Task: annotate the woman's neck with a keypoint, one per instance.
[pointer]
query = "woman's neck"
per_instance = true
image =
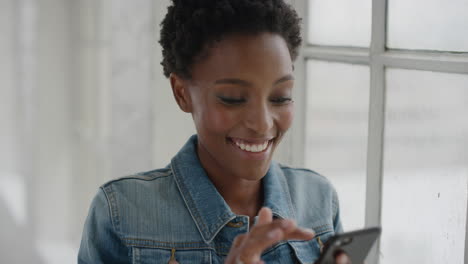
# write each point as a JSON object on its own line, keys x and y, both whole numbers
{"x": 244, "y": 196}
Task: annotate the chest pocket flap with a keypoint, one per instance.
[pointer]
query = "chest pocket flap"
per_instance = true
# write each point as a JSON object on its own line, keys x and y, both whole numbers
{"x": 157, "y": 255}
{"x": 309, "y": 251}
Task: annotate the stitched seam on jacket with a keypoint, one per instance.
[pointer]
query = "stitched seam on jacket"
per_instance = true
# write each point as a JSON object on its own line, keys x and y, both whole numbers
{"x": 285, "y": 185}
{"x": 138, "y": 177}
{"x": 157, "y": 241}
{"x": 179, "y": 245}
{"x": 189, "y": 201}
{"x": 322, "y": 229}
{"x": 114, "y": 212}
{"x": 217, "y": 250}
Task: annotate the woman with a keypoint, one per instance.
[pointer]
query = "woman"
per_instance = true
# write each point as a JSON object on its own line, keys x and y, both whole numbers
{"x": 221, "y": 199}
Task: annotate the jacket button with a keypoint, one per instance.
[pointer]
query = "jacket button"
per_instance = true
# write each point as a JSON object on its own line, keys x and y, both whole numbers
{"x": 235, "y": 224}
{"x": 173, "y": 260}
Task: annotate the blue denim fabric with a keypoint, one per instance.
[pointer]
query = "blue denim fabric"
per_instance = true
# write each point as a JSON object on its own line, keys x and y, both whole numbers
{"x": 142, "y": 218}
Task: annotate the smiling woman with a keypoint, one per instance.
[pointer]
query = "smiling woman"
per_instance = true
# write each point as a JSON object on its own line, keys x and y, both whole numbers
{"x": 240, "y": 100}
{"x": 221, "y": 199}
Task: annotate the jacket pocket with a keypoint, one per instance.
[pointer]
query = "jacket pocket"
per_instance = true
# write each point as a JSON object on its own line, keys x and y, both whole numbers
{"x": 309, "y": 251}
{"x": 163, "y": 255}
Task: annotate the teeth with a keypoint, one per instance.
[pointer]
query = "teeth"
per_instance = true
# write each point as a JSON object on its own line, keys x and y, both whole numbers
{"x": 252, "y": 148}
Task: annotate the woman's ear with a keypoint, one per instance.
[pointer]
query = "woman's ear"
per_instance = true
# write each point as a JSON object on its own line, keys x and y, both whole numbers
{"x": 181, "y": 93}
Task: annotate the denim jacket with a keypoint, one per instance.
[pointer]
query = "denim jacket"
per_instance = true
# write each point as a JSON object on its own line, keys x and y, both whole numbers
{"x": 176, "y": 212}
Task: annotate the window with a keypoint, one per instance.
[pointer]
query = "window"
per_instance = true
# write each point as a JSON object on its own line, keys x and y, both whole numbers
{"x": 386, "y": 99}
{"x": 336, "y": 140}
{"x": 425, "y": 166}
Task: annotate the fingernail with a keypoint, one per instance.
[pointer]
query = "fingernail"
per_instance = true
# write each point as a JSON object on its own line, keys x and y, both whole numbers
{"x": 275, "y": 234}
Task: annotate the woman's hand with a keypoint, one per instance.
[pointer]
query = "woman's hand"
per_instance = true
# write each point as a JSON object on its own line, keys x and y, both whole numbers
{"x": 247, "y": 248}
{"x": 342, "y": 258}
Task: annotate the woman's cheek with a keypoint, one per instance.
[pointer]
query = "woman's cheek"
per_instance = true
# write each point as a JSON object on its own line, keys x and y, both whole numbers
{"x": 219, "y": 120}
{"x": 286, "y": 117}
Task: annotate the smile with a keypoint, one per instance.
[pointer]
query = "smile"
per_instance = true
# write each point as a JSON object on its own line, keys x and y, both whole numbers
{"x": 251, "y": 147}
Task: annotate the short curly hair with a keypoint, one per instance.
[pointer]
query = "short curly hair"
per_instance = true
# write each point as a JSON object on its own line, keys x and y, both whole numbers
{"x": 192, "y": 25}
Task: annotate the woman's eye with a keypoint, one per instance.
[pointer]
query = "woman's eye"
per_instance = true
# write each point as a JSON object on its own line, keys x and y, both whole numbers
{"x": 281, "y": 100}
{"x": 231, "y": 101}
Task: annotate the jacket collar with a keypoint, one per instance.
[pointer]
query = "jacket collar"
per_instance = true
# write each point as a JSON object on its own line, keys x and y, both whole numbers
{"x": 207, "y": 207}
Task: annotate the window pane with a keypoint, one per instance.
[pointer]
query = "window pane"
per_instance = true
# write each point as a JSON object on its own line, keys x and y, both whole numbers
{"x": 340, "y": 22}
{"x": 440, "y": 25}
{"x": 425, "y": 167}
{"x": 336, "y": 129}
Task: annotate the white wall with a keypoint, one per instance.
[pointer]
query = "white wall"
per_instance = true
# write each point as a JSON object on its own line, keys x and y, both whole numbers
{"x": 14, "y": 229}
{"x": 171, "y": 126}
{"x": 82, "y": 100}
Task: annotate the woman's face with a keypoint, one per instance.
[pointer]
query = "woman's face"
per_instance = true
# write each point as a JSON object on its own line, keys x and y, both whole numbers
{"x": 240, "y": 100}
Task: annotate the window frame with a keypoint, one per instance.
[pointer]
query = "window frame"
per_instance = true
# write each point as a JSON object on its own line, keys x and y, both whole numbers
{"x": 378, "y": 57}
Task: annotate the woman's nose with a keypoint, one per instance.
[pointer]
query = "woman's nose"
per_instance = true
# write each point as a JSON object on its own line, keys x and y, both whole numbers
{"x": 259, "y": 118}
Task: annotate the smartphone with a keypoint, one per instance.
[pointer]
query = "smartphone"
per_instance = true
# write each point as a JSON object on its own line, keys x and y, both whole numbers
{"x": 356, "y": 245}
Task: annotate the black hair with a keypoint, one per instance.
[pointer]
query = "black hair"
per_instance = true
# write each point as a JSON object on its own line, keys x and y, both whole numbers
{"x": 192, "y": 25}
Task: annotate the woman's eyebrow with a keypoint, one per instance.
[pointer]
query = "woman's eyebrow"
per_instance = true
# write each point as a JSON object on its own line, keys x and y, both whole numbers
{"x": 285, "y": 78}
{"x": 241, "y": 82}
{"x": 233, "y": 81}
